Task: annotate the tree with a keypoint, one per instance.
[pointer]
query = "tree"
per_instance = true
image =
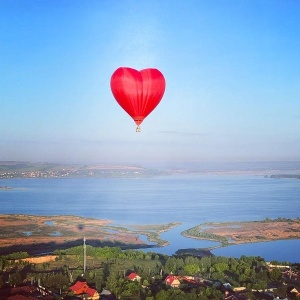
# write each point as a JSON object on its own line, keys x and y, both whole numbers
{"x": 99, "y": 278}
{"x": 275, "y": 274}
{"x": 3, "y": 262}
{"x": 205, "y": 263}
{"x": 112, "y": 283}
{"x": 171, "y": 265}
{"x": 15, "y": 279}
{"x": 162, "y": 295}
{"x": 242, "y": 278}
{"x": 259, "y": 285}
{"x": 191, "y": 269}
{"x": 221, "y": 267}
{"x": 213, "y": 293}
{"x": 129, "y": 290}
{"x": 217, "y": 275}
{"x": 57, "y": 281}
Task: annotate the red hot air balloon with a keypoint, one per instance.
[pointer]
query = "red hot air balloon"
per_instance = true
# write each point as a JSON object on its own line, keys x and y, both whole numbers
{"x": 138, "y": 92}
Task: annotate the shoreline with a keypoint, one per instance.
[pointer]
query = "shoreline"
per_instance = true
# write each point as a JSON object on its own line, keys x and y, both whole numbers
{"x": 40, "y": 234}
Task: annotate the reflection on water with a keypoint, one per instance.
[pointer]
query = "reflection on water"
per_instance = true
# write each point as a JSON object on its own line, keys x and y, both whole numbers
{"x": 56, "y": 233}
{"x": 50, "y": 223}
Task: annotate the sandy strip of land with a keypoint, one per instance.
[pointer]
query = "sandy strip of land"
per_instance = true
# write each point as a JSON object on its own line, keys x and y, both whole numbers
{"x": 247, "y": 232}
{"x": 40, "y": 234}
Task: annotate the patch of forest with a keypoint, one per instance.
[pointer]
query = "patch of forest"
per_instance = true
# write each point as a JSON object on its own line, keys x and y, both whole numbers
{"x": 108, "y": 267}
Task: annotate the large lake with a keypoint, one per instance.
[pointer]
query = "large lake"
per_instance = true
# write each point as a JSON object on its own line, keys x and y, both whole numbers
{"x": 190, "y": 199}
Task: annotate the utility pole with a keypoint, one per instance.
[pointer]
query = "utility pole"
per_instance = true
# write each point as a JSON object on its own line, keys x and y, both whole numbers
{"x": 84, "y": 255}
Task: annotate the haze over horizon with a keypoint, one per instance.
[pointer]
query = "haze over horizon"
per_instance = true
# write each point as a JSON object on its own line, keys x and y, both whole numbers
{"x": 232, "y": 74}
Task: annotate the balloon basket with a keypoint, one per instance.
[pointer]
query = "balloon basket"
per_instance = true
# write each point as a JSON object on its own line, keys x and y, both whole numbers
{"x": 138, "y": 129}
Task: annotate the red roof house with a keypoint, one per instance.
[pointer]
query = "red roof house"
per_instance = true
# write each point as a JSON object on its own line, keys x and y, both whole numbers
{"x": 81, "y": 287}
{"x": 134, "y": 277}
{"x": 172, "y": 280}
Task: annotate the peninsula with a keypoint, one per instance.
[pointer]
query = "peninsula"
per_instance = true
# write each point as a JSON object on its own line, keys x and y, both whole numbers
{"x": 231, "y": 233}
{"x": 40, "y": 234}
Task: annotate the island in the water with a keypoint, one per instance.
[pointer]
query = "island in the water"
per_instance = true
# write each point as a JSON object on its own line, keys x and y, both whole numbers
{"x": 43, "y": 234}
{"x": 5, "y": 188}
{"x": 230, "y": 233}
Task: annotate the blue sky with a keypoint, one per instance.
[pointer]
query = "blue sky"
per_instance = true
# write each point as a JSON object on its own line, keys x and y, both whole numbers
{"x": 232, "y": 70}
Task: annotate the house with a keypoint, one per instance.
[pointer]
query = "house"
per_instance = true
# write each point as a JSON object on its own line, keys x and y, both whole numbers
{"x": 188, "y": 280}
{"x": 82, "y": 288}
{"x": 239, "y": 289}
{"x": 293, "y": 292}
{"x": 227, "y": 286}
{"x": 107, "y": 295}
{"x": 172, "y": 281}
{"x": 134, "y": 277}
{"x": 18, "y": 297}
{"x": 24, "y": 292}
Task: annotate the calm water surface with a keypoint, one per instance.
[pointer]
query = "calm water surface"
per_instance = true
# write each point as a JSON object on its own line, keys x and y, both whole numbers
{"x": 190, "y": 199}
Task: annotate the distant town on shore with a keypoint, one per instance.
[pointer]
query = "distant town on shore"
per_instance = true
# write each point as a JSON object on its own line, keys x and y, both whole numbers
{"x": 19, "y": 169}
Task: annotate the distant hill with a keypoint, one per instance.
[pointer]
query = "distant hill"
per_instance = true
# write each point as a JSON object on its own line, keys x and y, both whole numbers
{"x": 280, "y": 176}
{"x": 253, "y": 168}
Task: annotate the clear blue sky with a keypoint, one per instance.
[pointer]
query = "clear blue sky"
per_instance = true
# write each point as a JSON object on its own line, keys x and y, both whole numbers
{"x": 232, "y": 70}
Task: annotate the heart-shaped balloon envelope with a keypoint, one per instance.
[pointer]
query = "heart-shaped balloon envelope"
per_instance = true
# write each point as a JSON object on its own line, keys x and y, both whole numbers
{"x": 138, "y": 92}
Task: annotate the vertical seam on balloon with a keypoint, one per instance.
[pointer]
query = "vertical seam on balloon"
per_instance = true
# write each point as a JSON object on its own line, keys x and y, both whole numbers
{"x": 146, "y": 102}
{"x": 131, "y": 104}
